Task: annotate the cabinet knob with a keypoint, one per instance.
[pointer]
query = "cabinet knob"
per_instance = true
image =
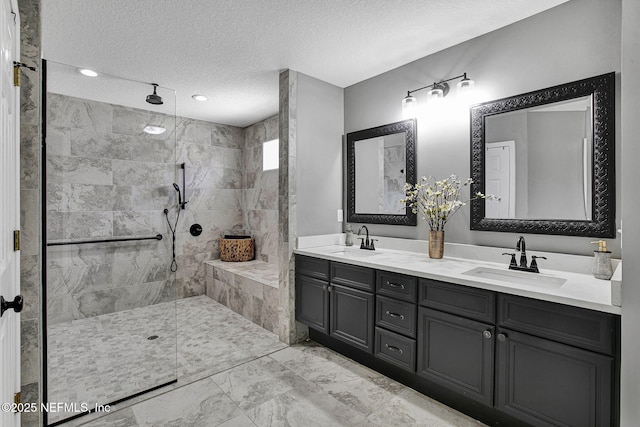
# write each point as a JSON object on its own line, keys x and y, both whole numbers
{"x": 329, "y": 288}
{"x": 487, "y": 334}
{"x": 502, "y": 337}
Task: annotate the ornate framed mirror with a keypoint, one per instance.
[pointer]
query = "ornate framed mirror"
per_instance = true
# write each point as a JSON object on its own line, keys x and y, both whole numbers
{"x": 380, "y": 161}
{"x": 550, "y": 155}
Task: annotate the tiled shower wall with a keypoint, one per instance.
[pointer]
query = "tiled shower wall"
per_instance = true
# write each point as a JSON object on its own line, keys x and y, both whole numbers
{"x": 30, "y": 206}
{"x": 106, "y": 178}
{"x": 214, "y": 179}
{"x": 261, "y": 191}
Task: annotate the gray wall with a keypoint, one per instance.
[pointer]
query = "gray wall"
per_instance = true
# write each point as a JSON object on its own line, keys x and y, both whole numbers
{"x": 569, "y": 42}
{"x": 630, "y": 376}
{"x": 261, "y": 190}
{"x": 319, "y": 156}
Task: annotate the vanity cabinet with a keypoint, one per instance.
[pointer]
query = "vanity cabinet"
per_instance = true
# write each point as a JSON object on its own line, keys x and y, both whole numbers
{"x": 336, "y": 299}
{"x": 503, "y": 359}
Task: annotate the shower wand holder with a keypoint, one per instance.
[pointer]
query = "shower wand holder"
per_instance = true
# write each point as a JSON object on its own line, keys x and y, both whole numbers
{"x": 184, "y": 202}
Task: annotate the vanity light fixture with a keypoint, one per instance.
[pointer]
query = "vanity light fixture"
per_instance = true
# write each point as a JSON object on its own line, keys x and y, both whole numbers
{"x": 437, "y": 91}
{"x": 87, "y": 72}
{"x": 154, "y": 130}
{"x": 200, "y": 98}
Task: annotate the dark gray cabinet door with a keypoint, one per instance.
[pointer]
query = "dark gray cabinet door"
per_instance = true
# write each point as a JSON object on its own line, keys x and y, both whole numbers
{"x": 456, "y": 352}
{"x": 312, "y": 302}
{"x": 352, "y": 317}
{"x": 546, "y": 383}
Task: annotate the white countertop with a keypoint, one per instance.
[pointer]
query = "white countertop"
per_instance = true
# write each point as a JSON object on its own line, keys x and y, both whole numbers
{"x": 579, "y": 289}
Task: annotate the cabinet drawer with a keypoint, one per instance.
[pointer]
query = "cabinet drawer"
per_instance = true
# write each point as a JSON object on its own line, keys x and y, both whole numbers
{"x": 353, "y": 276}
{"x": 396, "y": 349}
{"x": 396, "y": 315}
{"x": 473, "y": 303}
{"x": 313, "y": 267}
{"x": 588, "y": 329}
{"x": 397, "y": 286}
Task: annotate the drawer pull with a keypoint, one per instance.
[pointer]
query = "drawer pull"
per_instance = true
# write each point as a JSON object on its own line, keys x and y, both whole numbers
{"x": 395, "y": 285}
{"x": 401, "y": 316}
{"x": 487, "y": 334}
{"x": 394, "y": 348}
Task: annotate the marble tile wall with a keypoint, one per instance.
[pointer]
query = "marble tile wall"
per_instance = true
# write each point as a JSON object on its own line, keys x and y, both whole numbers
{"x": 30, "y": 205}
{"x": 290, "y": 331}
{"x": 106, "y": 178}
{"x": 261, "y": 191}
{"x": 213, "y": 154}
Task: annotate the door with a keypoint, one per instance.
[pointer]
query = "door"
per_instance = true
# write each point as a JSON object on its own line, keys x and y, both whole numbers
{"x": 9, "y": 210}
{"x": 457, "y": 353}
{"x": 500, "y": 173}
{"x": 352, "y": 316}
{"x": 546, "y": 383}
{"x": 312, "y": 303}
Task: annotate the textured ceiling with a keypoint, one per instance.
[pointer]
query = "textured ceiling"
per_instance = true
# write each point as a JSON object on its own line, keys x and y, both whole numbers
{"x": 233, "y": 50}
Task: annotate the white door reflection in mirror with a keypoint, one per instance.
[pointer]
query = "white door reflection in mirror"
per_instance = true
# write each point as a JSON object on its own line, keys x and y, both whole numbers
{"x": 500, "y": 176}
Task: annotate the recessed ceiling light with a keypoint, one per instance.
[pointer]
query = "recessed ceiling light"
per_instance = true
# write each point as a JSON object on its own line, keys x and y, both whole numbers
{"x": 87, "y": 72}
{"x": 200, "y": 98}
{"x": 154, "y": 130}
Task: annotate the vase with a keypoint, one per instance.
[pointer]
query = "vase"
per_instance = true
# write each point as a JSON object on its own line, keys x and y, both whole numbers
{"x": 436, "y": 244}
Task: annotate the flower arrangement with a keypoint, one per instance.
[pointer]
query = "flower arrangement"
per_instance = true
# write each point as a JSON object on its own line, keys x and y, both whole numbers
{"x": 438, "y": 200}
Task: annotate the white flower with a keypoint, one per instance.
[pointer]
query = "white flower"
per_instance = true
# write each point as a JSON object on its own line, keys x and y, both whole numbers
{"x": 438, "y": 200}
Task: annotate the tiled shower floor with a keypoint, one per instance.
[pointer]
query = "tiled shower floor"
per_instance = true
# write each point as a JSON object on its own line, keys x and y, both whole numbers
{"x": 109, "y": 357}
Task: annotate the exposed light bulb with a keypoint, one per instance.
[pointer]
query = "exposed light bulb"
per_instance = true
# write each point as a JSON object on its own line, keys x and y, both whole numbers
{"x": 465, "y": 86}
{"x": 409, "y": 107}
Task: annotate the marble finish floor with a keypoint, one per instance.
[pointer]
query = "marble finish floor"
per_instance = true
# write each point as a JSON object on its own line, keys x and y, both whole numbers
{"x": 109, "y": 357}
{"x": 302, "y": 385}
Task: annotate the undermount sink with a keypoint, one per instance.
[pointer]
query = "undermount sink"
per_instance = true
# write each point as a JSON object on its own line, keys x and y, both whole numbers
{"x": 355, "y": 252}
{"x": 516, "y": 277}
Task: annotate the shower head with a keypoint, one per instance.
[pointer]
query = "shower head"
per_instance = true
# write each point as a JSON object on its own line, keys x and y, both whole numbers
{"x": 154, "y": 98}
{"x": 179, "y": 193}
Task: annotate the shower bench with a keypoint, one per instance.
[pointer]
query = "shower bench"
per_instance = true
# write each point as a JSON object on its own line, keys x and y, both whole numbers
{"x": 249, "y": 288}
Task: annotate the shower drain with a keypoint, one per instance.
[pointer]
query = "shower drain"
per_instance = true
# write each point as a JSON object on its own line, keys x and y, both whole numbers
{"x": 152, "y": 337}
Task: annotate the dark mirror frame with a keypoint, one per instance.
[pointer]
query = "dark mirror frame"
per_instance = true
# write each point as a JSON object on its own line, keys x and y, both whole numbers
{"x": 408, "y": 126}
{"x": 602, "y": 223}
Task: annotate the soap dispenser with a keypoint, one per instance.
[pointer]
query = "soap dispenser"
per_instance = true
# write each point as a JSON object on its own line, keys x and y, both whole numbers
{"x": 602, "y": 263}
{"x": 348, "y": 240}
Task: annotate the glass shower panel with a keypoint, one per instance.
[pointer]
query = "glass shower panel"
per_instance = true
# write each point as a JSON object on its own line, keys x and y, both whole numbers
{"x": 110, "y": 292}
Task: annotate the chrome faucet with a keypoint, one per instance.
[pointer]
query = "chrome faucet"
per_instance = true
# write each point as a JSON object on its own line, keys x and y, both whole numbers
{"x": 521, "y": 246}
{"x": 366, "y": 242}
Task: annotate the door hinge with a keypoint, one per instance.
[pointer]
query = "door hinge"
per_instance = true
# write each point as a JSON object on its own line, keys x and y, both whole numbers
{"x": 16, "y": 398}
{"x": 16, "y": 71}
{"x": 16, "y": 75}
{"x": 16, "y": 240}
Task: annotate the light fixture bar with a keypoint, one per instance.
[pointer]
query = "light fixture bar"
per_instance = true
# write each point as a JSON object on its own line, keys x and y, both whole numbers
{"x": 463, "y": 76}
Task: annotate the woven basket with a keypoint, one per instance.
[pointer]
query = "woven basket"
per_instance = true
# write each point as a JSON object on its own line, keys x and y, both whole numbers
{"x": 237, "y": 248}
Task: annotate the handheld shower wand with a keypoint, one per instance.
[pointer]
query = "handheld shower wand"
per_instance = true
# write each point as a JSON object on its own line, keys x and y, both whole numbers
{"x": 179, "y": 193}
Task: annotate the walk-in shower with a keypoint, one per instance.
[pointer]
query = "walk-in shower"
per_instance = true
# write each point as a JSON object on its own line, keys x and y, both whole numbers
{"x": 109, "y": 286}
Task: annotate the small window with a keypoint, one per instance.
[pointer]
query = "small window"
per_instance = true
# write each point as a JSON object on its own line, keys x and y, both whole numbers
{"x": 270, "y": 155}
